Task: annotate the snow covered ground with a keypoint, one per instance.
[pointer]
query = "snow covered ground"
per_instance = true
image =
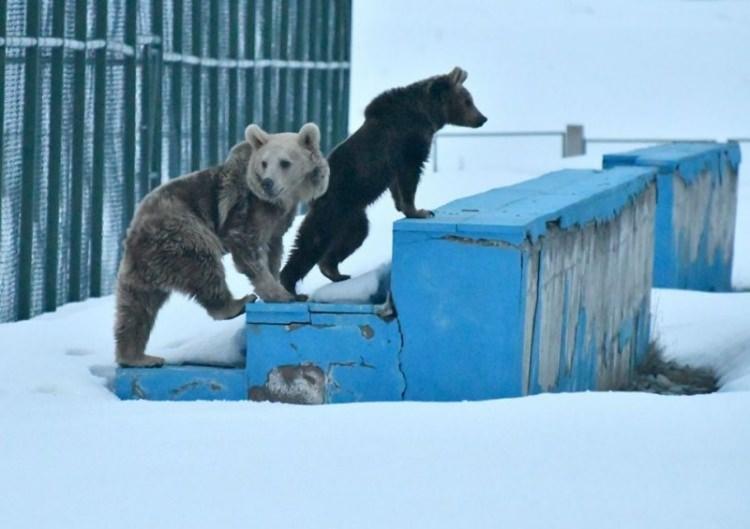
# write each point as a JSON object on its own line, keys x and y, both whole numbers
{"x": 72, "y": 455}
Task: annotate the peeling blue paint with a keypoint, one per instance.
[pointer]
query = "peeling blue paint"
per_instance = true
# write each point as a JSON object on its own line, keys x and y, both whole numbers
{"x": 483, "y": 288}
{"x": 355, "y": 349}
{"x": 696, "y": 209}
{"x": 180, "y": 383}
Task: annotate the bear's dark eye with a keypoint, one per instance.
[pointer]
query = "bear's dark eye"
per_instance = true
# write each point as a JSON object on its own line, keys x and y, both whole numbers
{"x": 467, "y": 102}
{"x": 285, "y": 164}
{"x": 264, "y": 164}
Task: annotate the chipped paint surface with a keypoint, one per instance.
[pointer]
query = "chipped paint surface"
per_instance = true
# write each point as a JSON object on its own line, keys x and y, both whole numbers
{"x": 702, "y": 235}
{"x": 292, "y": 384}
{"x": 530, "y": 315}
{"x": 591, "y": 300}
{"x": 541, "y": 286}
{"x": 354, "y": 354}
{"x": 366, "y": 331}
{"x": 696, "y": 211}
{"x": 180, "y": 383}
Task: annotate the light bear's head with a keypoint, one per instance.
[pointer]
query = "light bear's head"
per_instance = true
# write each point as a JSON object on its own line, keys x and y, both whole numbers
{"x": 288, "y": 167}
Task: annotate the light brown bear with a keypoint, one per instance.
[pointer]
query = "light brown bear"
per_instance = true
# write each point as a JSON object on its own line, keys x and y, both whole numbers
{"x": 182, "y": 228}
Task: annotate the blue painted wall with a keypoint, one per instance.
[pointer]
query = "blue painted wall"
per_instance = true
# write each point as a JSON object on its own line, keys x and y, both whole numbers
{"x": 501, "y": 294}
{"x": 322, "y": 353}
{"x": 180, "y": 383}
{"x": 696, "y": 210}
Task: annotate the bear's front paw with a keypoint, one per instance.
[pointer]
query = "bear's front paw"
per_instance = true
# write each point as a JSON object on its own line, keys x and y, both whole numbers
{"x": 141, "y": 361}
{"x": 419, "y": 214}
{"x": 279, "y": 296}
{"x": 250, "y": 298}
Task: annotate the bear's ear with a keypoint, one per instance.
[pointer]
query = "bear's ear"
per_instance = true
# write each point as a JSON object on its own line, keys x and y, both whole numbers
{"x": 256, "y": 136}
{"x": 309, "y": 137}
{"x": 458, "y": 76}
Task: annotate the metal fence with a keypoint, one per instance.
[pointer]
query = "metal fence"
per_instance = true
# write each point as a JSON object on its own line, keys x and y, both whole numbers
{"x": 104, "y": 99}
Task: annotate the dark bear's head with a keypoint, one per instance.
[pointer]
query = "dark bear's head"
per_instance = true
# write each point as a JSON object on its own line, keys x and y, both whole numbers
{"x": 455, "y": 101}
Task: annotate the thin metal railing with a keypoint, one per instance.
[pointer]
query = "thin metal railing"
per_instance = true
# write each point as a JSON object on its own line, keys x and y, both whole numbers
{"x": 564, "y": 136}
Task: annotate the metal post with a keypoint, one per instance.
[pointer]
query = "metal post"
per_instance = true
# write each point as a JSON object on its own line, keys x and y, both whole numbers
{"x": 97, "y": 181}
{"x": 29, "y": 150}
{"x": 314, "y": 30}
{"x": 77, "y": 155}
{"x": 341, "y": 74}
{"x": 284, "y": 109}
{"x": 268, "y": 121}
{"x": 213, "y": 85}
{"x": 156, "y": 57}
{"x": 303, "y": 54}
{"x": 234, "y": 133}
{"x": 325, "y": 77}
{"x": 175, "y": 142}
{"x": 574, "y": 143}
{"x": 129, "y": 105}
{"x": 195, "y": 116}
{"x": 55, "y": 155}
{"x": 250, "y": 110}
{"x": 3, "y": 32}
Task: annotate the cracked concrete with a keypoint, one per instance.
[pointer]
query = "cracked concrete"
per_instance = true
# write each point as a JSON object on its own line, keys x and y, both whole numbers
{"x": 478, "y": 242}
{"x": 184, "y": 388}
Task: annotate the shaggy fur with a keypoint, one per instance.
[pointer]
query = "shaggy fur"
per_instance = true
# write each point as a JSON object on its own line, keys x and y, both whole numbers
{"x": 182, "y": 229}
{"x": 387, "y": 151}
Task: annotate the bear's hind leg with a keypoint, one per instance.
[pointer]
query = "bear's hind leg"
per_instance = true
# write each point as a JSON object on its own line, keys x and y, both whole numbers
{"x": 313, "y": 238}
{"x": 345, "y": 243}
{"x": 136, "y": 313}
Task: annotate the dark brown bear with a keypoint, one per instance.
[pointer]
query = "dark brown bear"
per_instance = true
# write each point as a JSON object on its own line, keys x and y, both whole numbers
{"x": 387, "y": 151}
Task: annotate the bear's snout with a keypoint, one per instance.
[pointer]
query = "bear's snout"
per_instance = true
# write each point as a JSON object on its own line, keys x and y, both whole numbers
{"x": 267, "y": 185}
{"x": 481, "y": 120}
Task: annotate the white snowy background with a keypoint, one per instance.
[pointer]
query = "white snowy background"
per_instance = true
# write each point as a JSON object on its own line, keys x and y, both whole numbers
{"x": 72, "y": 455}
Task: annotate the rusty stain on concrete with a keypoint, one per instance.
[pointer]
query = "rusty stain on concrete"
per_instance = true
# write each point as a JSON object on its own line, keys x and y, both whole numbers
{"x": 292, "y": 384}
{"x": 367, "y": 331}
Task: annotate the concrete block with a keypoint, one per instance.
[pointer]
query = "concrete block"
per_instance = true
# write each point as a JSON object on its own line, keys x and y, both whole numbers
{"x": 180, "y": 383}
{"x": 541, "y": 286}
{"x": 310, "y": 353}
{"x": 696, "y": 210}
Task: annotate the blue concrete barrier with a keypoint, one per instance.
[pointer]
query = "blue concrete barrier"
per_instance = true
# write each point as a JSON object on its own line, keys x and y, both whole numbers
{"x": 180, "y": 383}
{"x": 315, "y": 353}
{"x": 696, "y": 209}
{"x": 541, "y": 286}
